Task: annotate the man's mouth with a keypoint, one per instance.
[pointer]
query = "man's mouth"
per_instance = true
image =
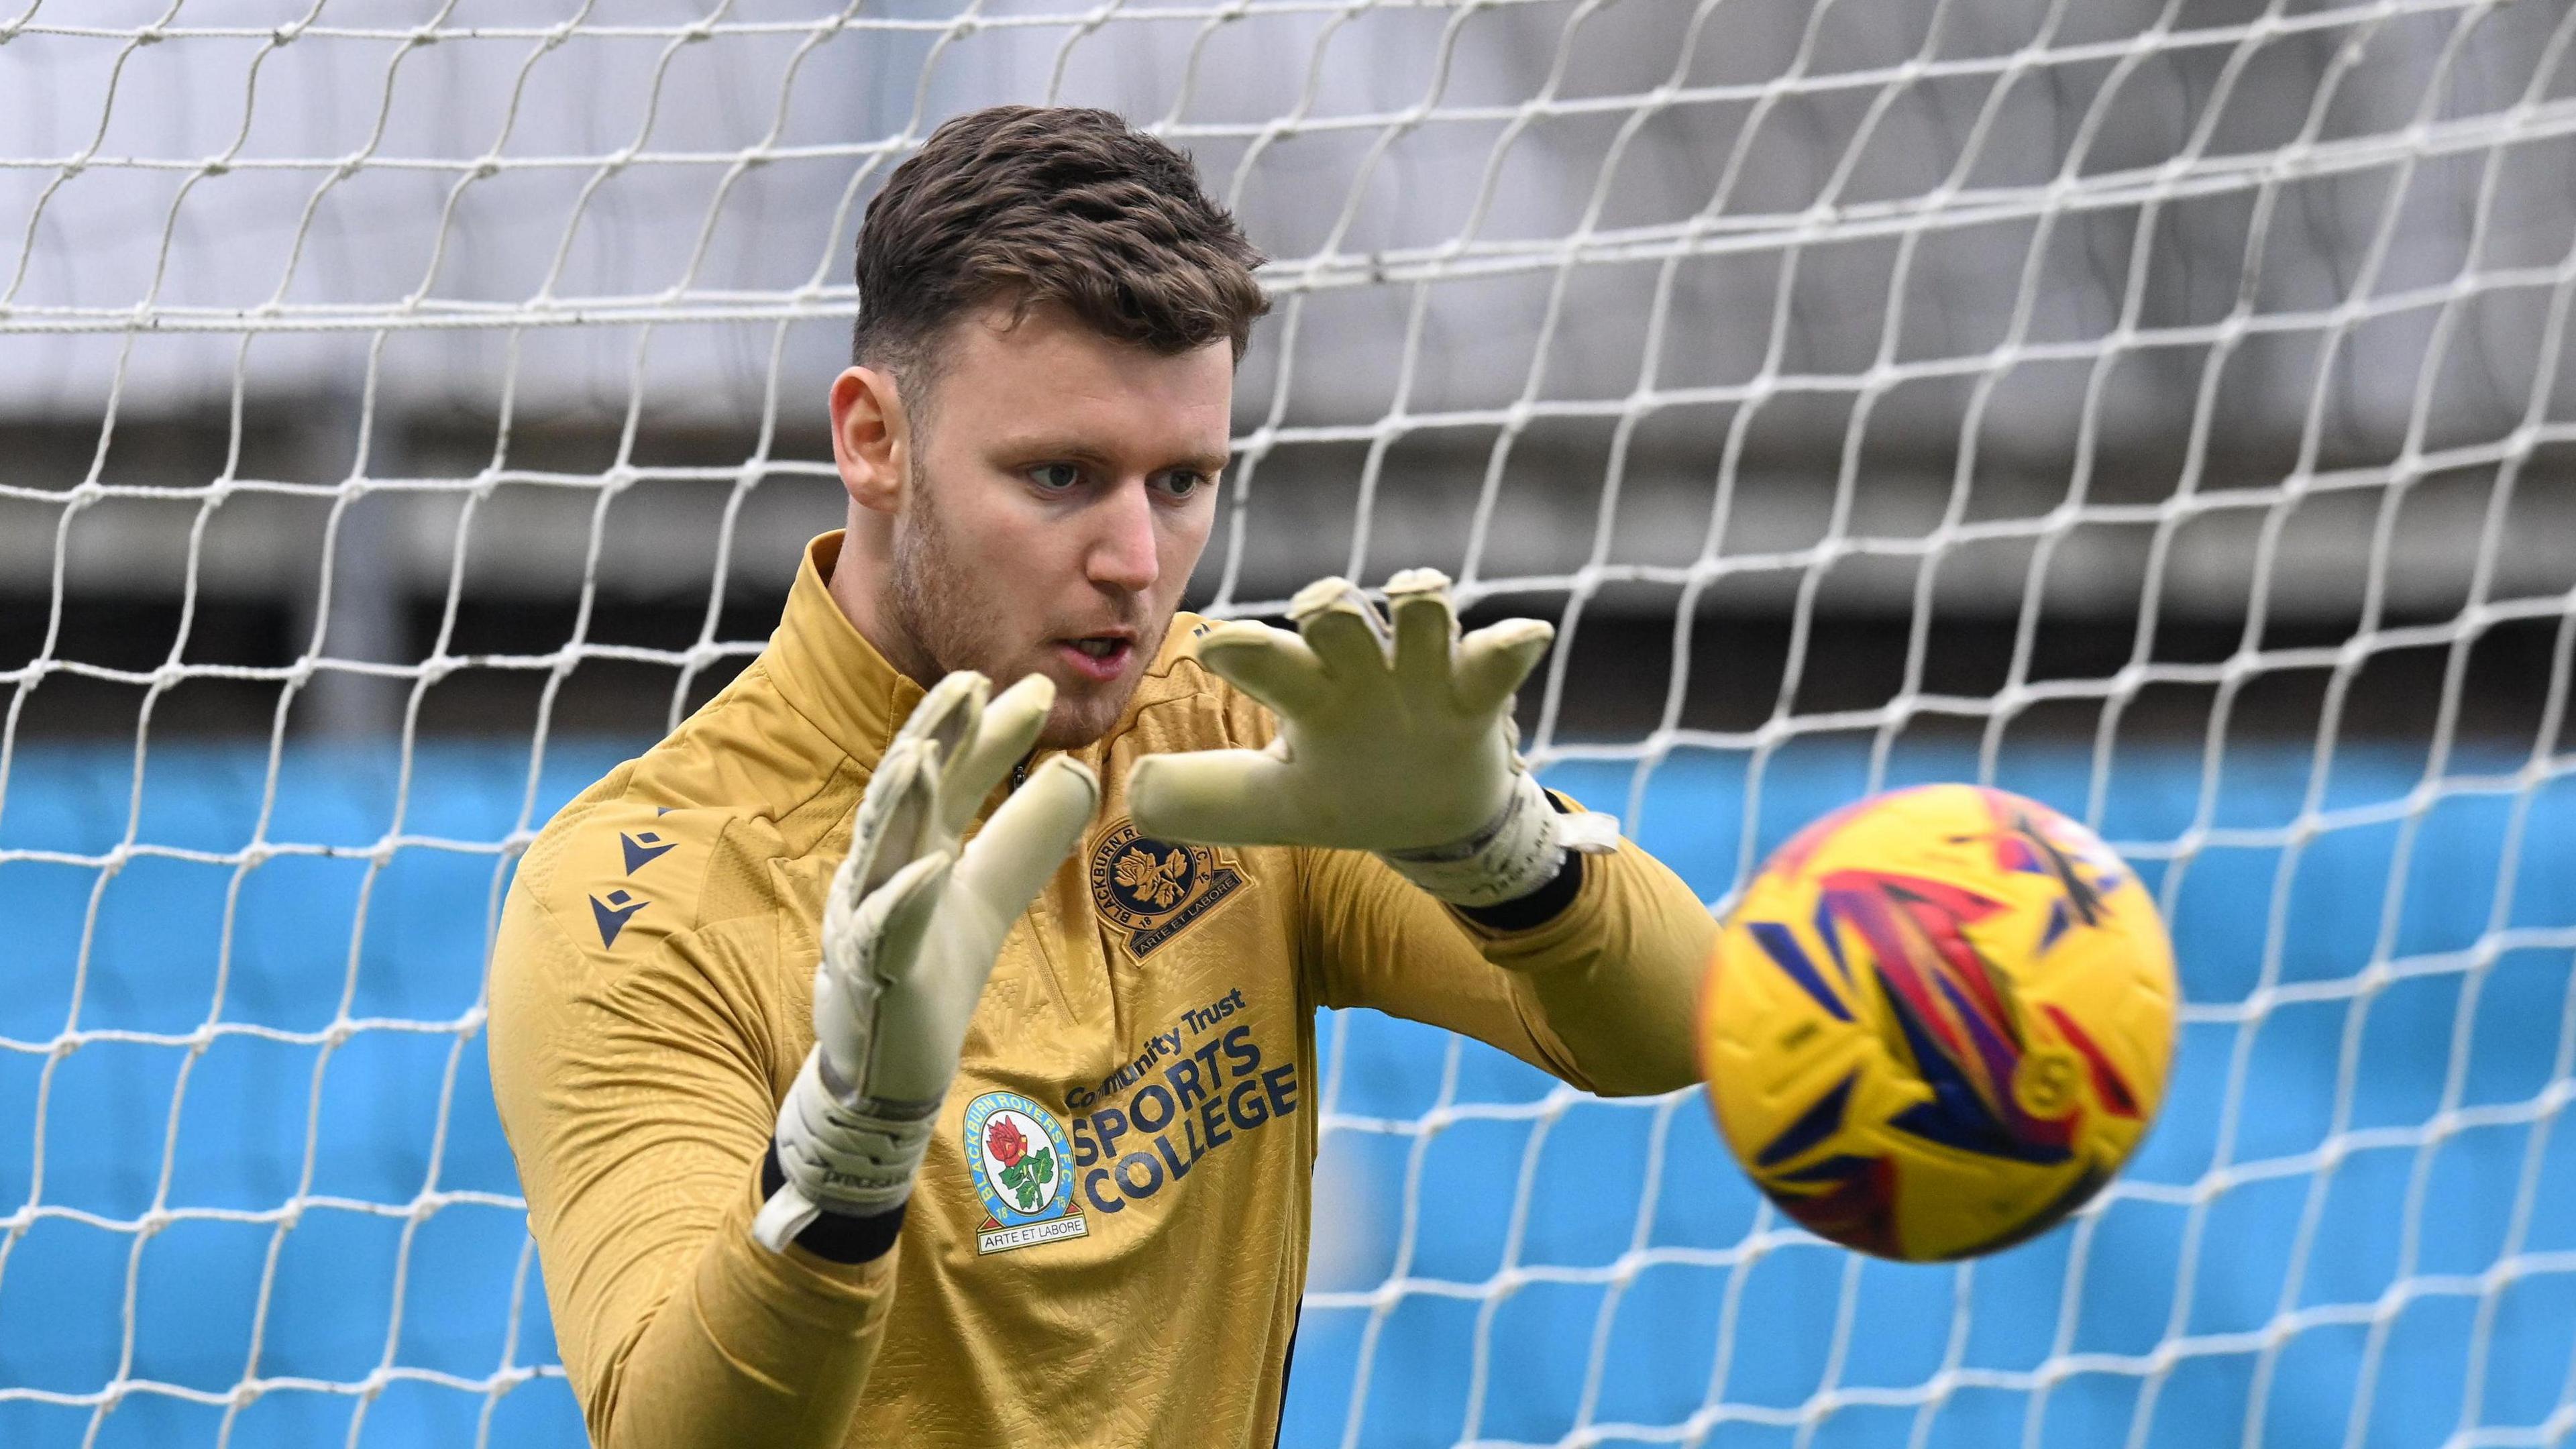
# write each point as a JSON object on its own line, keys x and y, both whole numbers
{"x": 1102, "y": 657}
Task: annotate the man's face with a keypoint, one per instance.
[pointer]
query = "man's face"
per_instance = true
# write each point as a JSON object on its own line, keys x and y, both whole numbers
{"x": 1056, "y": 502}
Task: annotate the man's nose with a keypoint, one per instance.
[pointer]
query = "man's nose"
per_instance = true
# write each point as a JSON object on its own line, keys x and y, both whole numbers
{"x": 1122, "y": 551}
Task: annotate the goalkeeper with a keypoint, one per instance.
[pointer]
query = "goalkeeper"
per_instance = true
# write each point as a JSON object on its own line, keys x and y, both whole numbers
{"x": 892, "y": 1057}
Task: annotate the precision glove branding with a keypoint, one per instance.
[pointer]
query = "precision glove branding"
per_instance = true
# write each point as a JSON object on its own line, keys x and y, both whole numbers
{"x": 1152, "y": 890}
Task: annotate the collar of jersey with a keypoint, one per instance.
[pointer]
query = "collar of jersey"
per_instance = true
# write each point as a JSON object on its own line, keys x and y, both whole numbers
{"x": 828, "y": 671}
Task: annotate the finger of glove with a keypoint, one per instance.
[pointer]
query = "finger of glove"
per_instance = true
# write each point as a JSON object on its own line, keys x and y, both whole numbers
{"x": 1009, "y": 727}
{"x": 858, "y": 956}
{"x": 1426, "y": 628}
{"x": 1494, "y": 660}
{"x": 894, "y": 924}
{"x": 1216, "y": 797}
{"x": 948, "y": 713}
{"x": 1019, "y": 849}
{"x": 886, "y": 930}
{"x": 1342, "y": 627}
{"x": 891, "y": 823}
{"x": 1272, "y": 665}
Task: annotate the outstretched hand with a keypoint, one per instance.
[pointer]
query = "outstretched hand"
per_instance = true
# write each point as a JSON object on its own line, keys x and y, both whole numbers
{"x": 1396, "y": 740}
{"x": 912, "y": 926}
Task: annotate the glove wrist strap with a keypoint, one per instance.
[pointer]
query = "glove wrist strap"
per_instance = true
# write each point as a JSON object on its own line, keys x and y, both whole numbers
{"x": 852, "y": 1155}
{"x": 1519, "y": 850}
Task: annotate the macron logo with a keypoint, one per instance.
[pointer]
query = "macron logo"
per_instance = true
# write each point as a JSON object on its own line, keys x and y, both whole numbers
{"x": 642, "y": 850}
{"x": 612, "y": 913}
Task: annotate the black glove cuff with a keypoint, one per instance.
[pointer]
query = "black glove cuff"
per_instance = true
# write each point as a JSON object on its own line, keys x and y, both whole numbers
{"x": 836, "y": 1237}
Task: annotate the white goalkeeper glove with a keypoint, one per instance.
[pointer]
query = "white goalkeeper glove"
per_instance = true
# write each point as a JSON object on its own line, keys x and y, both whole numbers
{"x": 911, "y": 929}
{"x": 1401, "y": 744}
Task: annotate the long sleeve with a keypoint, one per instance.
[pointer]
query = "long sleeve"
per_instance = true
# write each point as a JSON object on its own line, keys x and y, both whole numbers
{"x": 1602, "y": 995}
{"x": 637, "y": 1097}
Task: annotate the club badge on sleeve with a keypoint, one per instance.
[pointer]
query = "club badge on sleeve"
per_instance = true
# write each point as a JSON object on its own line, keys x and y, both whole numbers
{"x": 1153, "y": 889}
{"x": 1021, "y": 1162}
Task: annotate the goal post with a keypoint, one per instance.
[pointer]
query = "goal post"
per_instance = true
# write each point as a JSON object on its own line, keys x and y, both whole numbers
{"x": 2162, "y": 408}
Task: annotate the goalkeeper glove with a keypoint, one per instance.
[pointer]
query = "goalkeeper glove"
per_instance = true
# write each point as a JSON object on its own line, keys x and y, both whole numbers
{"x": 1400, "y": 743}
{"x": 911, "y": 928}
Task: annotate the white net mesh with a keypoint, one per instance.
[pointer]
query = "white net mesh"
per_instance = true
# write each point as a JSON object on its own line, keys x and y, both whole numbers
{"x": 408, "y": 409}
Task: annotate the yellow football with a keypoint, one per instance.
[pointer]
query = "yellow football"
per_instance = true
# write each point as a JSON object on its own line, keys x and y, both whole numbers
{"x": 1938, "y": 1021}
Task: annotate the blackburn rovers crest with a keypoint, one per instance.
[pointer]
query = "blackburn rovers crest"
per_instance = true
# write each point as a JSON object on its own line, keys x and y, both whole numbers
{"x": 1152, "y": 889}
{"x": 1022, "y": 1166}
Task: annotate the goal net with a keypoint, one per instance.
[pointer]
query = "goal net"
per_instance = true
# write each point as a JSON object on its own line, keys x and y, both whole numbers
{"x": 2164, "y": 408}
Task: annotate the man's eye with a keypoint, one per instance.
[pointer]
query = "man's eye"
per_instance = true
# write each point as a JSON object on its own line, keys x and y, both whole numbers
{"x": 1181, "y": 483}
{"x": 1055, "y": 477}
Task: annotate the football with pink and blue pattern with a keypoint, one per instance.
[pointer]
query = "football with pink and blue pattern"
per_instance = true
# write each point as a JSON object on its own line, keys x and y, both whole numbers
{"x": 1938, "y": 1021}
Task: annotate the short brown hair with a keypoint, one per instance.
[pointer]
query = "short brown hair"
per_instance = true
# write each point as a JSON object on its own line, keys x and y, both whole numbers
{"x": 1031, "y": 205}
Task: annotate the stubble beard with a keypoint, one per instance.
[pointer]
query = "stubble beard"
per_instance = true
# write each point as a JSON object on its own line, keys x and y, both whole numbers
{"x": 934, "y": 604}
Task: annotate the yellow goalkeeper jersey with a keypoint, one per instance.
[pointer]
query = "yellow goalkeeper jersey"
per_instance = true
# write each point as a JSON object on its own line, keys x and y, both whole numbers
{"x": 1107, "y": 1242}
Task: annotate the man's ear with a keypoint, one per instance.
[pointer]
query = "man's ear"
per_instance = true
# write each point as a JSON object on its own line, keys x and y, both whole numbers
{"x": 871, "y": 438}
